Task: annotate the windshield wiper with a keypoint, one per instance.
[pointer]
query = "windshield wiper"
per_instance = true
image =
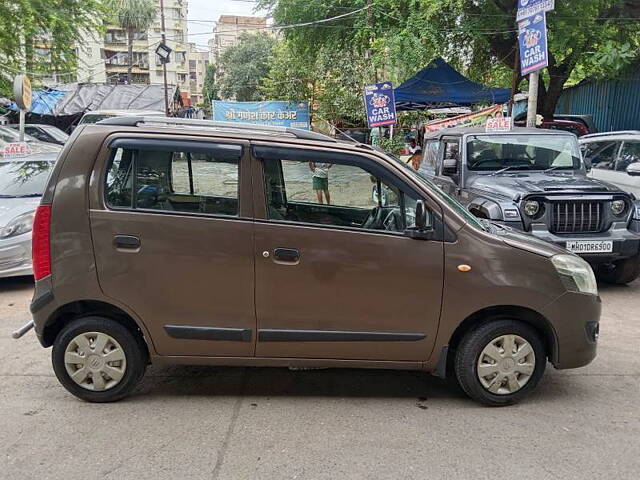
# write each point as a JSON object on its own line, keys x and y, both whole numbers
{"x": 510, "y": 168}
{"x": 551, "y": 169}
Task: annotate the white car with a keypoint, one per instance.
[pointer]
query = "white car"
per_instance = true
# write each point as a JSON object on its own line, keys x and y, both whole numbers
{"x": 615, "y": 158}
{"x": 23, "y": 178}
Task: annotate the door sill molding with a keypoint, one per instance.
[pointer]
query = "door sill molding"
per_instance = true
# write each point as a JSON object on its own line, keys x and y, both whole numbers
{"x": 284, "y": 335}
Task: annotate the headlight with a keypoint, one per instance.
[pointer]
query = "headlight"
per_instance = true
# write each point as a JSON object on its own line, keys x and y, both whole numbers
{"x": 531, "y": 207}
{"x": 19, "y": 225}
{"x": 617, "y": 207}
{"x": 576, "y": 273}
{"x": 636, "y": 212}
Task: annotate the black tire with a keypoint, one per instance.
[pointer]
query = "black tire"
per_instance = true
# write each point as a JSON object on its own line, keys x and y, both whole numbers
{"x": 472, "y": 345}
{"x": 132, "y": 346}
{"x": 621, "y": 273}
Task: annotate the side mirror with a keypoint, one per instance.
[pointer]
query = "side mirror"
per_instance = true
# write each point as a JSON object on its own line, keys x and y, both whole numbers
{"x": 634, "y": 169}
{"x": 449, "y": 166}
{"x": 423, "y": 229}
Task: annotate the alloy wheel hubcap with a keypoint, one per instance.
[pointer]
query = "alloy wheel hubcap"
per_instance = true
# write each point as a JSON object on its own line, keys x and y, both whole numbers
{"x": 506, "y": 364}
{"x": 95, "y": 361}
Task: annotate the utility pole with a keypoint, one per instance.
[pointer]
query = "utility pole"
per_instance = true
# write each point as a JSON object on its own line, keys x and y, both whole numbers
{"x": 514, "y": 80}
{"x": 532, "y": 104}
{"x": 164, "y": 64}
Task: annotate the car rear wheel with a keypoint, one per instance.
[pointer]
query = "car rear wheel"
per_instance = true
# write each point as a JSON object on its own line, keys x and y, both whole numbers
{"x": 98, "y": 359}
{"x": 621, "y": 272}
{"x": 500, "y": 362}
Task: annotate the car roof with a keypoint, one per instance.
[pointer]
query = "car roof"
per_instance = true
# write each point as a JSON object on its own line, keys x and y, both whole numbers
{"x": 459, "y": 131}
{"x": 619, "y": 135}
{"x": 126, "y": 113}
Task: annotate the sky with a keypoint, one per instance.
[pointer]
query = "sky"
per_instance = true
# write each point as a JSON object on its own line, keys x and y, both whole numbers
{"x": 202, "y": 14}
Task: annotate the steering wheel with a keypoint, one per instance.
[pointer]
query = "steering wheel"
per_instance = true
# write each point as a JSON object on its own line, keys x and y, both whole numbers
{"x": 392, "y": 221}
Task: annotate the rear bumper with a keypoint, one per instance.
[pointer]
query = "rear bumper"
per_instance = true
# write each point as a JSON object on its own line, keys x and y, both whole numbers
{"x": 15, "y": 256}
{"x": 575, "y": 319}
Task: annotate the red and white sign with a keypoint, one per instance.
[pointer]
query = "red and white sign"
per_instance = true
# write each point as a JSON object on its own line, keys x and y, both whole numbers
{"x": 499, "y": 124}
{"x": 15, "y": 150}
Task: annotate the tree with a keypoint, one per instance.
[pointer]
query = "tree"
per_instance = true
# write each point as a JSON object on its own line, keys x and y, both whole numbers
{"x": 42, "y": 36}
{"x": 243, "y": 65}
{"x": 134, "y": 16}
{"x": 586, "y": 37}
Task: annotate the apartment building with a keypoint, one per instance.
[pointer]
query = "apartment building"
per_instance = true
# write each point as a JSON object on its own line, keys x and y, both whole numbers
{"x": 228, "y": 30}
{"x": 105, "y": 58}
{"x": 198, "y": 62}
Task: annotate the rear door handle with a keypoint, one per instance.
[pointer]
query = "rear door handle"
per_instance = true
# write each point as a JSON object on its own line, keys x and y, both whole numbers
{"x": 286, "y": 255}
{"x": 126, "y": 242}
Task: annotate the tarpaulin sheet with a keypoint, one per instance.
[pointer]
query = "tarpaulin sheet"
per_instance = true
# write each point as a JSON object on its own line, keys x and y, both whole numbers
{"x": 440, "y": 85}
{"x": 92, "y": 96}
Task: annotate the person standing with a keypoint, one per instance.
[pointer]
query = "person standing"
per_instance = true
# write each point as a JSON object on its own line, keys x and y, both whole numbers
{"x": 320, "y": 172}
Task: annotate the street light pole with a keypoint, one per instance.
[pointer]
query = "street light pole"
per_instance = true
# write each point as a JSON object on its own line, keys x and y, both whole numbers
{"x": 164, "y": 64}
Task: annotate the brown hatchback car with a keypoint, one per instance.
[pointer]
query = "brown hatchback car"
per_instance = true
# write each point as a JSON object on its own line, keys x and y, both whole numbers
{"x": 194, "y": 242}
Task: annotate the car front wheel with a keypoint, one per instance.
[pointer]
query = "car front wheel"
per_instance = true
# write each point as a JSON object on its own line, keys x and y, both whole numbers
{"x": 98, "y": 359}
{"x": 500, "y": 362}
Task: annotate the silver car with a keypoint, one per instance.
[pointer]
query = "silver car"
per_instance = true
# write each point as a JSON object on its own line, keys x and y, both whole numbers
{"x": 22, "y": 181}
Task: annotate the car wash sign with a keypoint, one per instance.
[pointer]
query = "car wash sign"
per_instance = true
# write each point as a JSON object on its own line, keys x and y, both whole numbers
{"x": 532, "y": 36}
{"x": 529, "y": 8}
{"x": 381, "y": 104}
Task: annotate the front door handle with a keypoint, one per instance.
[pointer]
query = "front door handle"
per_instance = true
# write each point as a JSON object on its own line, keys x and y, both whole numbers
{"x": 286, "y": 255}
{"x": 126, "y": 242}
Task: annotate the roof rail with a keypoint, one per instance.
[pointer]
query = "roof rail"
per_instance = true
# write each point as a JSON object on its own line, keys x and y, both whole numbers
{"x": 246, "y": 127}
{"x": 615, "y": 132}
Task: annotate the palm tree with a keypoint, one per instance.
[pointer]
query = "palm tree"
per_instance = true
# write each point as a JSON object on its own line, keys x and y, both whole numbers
{"x": 134, "y": 16}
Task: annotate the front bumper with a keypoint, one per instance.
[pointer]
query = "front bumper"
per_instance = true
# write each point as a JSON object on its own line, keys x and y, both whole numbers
{"x": 15, "y": 256}
{"x": 575, "y": 319}
{"x": 626, "y": 243}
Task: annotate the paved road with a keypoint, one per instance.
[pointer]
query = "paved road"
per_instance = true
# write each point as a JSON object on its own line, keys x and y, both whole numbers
{"x": 223, "y": 423}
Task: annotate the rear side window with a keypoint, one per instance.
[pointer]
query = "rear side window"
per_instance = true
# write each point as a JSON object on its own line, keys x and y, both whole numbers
{"x": 202, "y": 179}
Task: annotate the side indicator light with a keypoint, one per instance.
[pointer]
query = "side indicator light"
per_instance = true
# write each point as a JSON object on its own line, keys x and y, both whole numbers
{"x": 464, "y": 268}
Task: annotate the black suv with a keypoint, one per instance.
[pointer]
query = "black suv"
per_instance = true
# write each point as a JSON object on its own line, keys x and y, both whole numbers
{"x": 535, "y": 180}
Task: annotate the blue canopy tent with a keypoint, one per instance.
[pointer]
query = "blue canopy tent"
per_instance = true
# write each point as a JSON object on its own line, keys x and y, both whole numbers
{"x": 439, "y": 85}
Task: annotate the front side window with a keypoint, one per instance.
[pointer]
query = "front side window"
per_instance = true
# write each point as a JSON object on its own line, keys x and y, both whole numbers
{"x": 336, "y": 194}
{"x": 629, "y": 154}
{"x": 523, "y": 152}
{"x": 451, "y": 158}
{"x": 430, "y": 159}
{"x": 200, "y": 180}
{"x": 601, "y": 155}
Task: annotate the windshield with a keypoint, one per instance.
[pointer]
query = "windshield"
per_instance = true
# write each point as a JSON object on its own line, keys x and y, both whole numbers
{"x": 9, "y": 135}
{"x": 522, "y": 152}
{"x": 450, "y": 201}
{"x": 24, "y": 179}
{"x": 57, "y": 134}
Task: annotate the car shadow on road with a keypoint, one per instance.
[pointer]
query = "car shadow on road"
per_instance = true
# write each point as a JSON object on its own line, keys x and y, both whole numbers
{"x": 275, "y": 382}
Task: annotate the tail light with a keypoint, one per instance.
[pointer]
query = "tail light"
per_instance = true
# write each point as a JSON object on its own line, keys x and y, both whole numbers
{"x": 40, "y": 242}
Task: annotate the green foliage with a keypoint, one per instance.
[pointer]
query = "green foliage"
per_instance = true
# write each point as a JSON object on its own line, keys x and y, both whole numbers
{"x": 393, "y": 145}
{"x": 30, "y": 27}
{"x": 243, "y": 65}
{"x": 478, "y": 37}
{"x": 134, "y": 15}
{"x": 210, "y": 89}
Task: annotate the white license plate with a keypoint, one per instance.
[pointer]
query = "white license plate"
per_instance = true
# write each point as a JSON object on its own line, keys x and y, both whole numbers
{"x": 590, "y": 246}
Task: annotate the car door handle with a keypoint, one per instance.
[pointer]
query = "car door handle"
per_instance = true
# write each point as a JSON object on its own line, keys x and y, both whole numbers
{"x": 126, "y": 242}
{"x": 286, "y": 255}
